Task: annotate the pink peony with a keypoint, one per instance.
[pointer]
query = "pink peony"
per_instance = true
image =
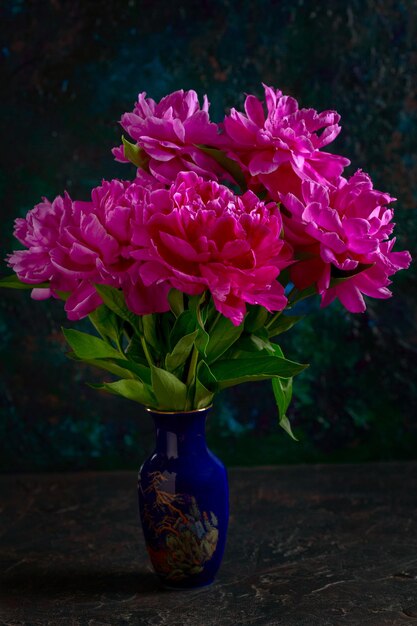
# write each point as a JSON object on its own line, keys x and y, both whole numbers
{"x": 198, "y": 235}
{"x": 169, "y": 131}
{"x": 75, "y": 245}
{"x": 39, "y": 233}
{"x": 95, "y": 249}
{"x": 341, "y": 231}
{"x": 283, "y": 147}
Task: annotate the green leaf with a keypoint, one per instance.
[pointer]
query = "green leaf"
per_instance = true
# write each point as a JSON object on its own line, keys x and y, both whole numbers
{"x": 230, "y": 166}
{"x": 282, "y": 324}
{"x": 134, "y": 351}
{"x": 119, "y": 367}
{"x": 285, "y": 424}
{"x": 202, "y": 341}
{"x": 13, "y": 282}
{"x": 149, "y": 331}
{"x": 340, "y": 276}
{"x": 256, "y": 344}
{"x": 181, "y": 352}
{"x": 205, "y": 386}
{"x": 114, "y": 299}
{"x": 202, "y": 397}
{"x": 88, "y": 347}
{"x": 207, "y": 377}
{"x": 255, "y": 318}
{"x": 132, "y": 390}
{"x": 229, "y": 372}
{"x": 135, "y": 154}
{"x": 222, "y": 336}
{"x": 170, "y": 393}
{"x": 63, "y": 295}
{"x": 104, "y": 364}
{"x": 176, "y": 301}
{"x": 301, "y": 295}
{"x": 282, "y": 388}
{"x": 140, "y": 371}
{"x": 107, "y": 323}
{"x": 185, "y": 324}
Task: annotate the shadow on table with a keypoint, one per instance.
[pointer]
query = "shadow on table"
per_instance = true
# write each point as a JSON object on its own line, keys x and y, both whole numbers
{"x": 84, "y": 582}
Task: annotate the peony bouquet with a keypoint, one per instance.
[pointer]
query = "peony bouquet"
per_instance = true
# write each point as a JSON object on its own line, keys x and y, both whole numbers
{"x": 190, "y": 269}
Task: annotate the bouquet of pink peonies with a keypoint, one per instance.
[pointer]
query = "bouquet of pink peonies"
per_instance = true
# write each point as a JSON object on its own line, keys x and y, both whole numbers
{"x": 188, "y": 271}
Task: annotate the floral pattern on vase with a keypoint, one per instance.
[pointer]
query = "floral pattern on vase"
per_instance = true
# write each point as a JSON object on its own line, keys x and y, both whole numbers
{"x": 186, "y": 538}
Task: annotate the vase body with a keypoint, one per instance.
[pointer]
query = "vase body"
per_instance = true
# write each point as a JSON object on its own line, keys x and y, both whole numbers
{"x": 183, "y": 501}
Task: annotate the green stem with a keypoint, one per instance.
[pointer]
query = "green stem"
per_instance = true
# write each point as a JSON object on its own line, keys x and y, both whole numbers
{"x": 193, "y": 366}
{"x": 300, "y": 295}
{"x": 143, "y": 342}
{"x": 214, "y": 324}
{"x": 191, "y": 379}
{"x": 292, "y": 295}
{"x": 273, "y": 319}
{"x": 146, "y": 350}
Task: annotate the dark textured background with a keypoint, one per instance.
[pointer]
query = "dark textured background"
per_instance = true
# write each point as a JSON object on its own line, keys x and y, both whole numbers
{"x": 69, "y": 69}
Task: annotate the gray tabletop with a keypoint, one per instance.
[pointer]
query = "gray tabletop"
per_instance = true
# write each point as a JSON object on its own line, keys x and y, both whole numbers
{"x": 307, "y": 545}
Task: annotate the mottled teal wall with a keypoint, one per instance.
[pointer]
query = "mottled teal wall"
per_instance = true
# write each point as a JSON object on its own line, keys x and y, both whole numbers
{"x": 69, "y": 69}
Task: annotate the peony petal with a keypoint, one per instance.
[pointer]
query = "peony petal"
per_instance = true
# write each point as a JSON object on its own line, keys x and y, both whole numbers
{"x": 41, "y": 294}
{"x": 254, "y": 110}
{"x": 82, "y": 301}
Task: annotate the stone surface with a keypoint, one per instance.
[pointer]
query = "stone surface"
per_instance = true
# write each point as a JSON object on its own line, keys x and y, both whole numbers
{"x": 318, "y": 545}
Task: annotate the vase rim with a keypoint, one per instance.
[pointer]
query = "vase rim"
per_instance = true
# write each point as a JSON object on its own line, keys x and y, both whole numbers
{"x": 149, "y": 410}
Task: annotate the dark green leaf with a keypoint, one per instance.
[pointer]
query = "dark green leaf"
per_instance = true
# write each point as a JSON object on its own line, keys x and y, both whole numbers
{"x": 185, "y": 324}
{"x": 13, "y": 282}
{"x": 104, "y": 364}
{"x": 301, "y": 295}
{"x": 88, "y": 347}
{"x": 282, "y": 388}
{"x": 230, "y": 166}
{"x": 229, "y": 372}
{"x": 171, "y": 393}
{"x": 140, "y": 371}
{"x": 285, "y": 424}
{"x": 107, "y": 323}
{"x": 181, "y": 352}
{"x": 256, "y": 344}
{"x": 135, "y": 154}
{"x": 282, "y": 324}
{"x": 113, "y": 298}
{"x": 176, "y": 301}
{"x": 63, "y": 295}
{"x": 255, "y": 318}
{"x": 201, "y": 341}
{"x": 222, "y": 336}
{"x": 340, "y": 276}
{"x": 134, "y": 351}
{"x": 150, "y": 332}
{"x": 203, "y": 397}
{"x": 205, "y": 386}
{"x": 206, "y": 376}
{"x": 132, "y": 390}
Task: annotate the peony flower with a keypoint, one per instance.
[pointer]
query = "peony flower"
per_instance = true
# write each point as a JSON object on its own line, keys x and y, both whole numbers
{"x": 343, "y": 233}
{"x": 39, "y": 232}
{"x": 76, "y": 245}
{"x": 169, "y": 131}
{"x": 95, "y": 249}
{"x": 281, "y": 148}
{"x": 198, "y": 235}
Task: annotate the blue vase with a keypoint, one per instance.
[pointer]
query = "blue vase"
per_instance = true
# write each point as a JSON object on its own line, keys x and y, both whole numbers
{"x": 183, "y": 501}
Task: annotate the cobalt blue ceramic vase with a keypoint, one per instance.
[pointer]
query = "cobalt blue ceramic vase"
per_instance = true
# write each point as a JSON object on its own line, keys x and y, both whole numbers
{"x": 183, "y": 501}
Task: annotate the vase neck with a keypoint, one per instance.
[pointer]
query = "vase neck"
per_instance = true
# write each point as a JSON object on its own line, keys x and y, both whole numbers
{"x": 179, "y": 434}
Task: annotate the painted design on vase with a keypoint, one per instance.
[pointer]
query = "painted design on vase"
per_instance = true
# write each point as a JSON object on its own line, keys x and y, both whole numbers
{"x": 184, "y": 537}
